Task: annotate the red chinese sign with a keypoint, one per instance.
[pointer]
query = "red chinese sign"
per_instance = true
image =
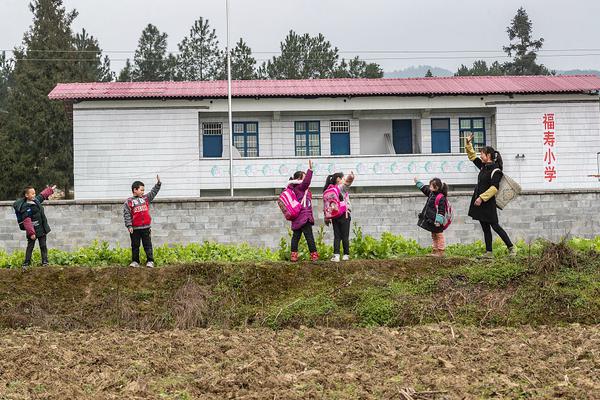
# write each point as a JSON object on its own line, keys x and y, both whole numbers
{"x": 550, "y": 171}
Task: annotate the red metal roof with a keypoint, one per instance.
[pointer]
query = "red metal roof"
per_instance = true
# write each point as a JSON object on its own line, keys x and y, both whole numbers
{"x": 472, "y": 85}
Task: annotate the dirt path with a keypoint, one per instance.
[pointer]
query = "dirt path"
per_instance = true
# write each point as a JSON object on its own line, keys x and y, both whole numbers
{"x": 435, "y": 361}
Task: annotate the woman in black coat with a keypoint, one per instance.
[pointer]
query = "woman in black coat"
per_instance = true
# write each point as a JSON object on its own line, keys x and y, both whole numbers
{"x": 483, "y": 203}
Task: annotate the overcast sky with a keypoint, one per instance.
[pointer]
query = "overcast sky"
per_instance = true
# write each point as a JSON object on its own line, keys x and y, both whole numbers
{"x": 354, "y": 26}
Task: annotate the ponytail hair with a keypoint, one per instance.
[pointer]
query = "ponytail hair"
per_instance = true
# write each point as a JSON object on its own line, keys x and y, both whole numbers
{"x": 441, "y": 187}
{"x": 495, "y": 155}
{"x": 331, "y": 179}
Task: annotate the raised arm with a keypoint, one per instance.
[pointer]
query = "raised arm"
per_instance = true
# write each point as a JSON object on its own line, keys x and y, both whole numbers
{"x": 471, "y": 152}
{"x": 422, "y": 187}
{"x": 305, "y": 184}
{"x": 155, "y": 189}
{"x": 45, "y": 194}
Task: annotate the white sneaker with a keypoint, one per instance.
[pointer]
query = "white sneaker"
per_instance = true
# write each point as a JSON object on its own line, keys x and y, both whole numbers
{"x": 335, "y": 258}
{"x": 150, "y": 264}
{"x": 134, "y": 264}
{"x": 346, "y": 257}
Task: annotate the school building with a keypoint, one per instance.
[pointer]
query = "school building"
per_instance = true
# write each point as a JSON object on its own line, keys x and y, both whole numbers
{"x": 386, "y": 130}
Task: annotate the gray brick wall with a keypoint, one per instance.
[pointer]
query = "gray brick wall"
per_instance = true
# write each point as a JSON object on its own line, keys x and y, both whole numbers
{"x": 258, "y": 221}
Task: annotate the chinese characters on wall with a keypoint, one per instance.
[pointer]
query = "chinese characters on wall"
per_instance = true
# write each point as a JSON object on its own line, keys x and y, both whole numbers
{"x": 550, "y": 172}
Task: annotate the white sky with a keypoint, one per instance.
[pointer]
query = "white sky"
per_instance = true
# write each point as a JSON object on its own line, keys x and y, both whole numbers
{"x": 351, "y": 25}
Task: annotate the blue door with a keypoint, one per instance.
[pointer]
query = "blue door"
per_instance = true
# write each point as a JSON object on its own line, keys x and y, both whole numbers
{"x": 212, "y": 139}
{"x": 440, "y": 135}
{"x": 340, "y": 144}
{"x": 402, "y": 136}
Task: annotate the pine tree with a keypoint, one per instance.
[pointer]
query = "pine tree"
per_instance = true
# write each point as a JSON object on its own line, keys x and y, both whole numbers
{"x": 243, "y": 65}
{"x": 480, "y": 68}
{"x": 199, "y": 55}
{"x": 37, "y": 139}
{"x": 150, "y": 59}
{"x": 428, "y": 74}
{"x": 6, "y": 71}
{"x": 357, "y": 68}
{"x": 523, "y": 47}
{"x": 91, "y": 67}
{"x": 126, "y": 74}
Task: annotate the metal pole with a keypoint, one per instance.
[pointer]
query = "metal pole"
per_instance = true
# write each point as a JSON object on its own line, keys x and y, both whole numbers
{"x": 229, "y": 104}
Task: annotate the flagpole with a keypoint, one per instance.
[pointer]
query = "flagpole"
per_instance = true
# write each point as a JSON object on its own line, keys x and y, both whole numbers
{"x": 229, "y": 104}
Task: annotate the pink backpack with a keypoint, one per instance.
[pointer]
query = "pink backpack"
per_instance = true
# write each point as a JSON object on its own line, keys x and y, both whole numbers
{"x": 449, "y": 213}
{"x": 289, "y": 204}
{"x": 333, "y": 207}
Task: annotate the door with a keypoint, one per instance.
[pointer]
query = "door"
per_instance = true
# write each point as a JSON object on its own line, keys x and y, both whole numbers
{"x": 402, "y": 136}
{"x": 440, "y": 135}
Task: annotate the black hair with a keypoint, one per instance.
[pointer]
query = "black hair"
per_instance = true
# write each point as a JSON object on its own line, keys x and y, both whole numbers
{"x": 297, "y": 175}
{"x": 26, "y": 189}
{"x": 331, "y": 179}
{"x": 136, "y": 185}
{"x": 495, "y": 155}
{"x": 440, "y": 186}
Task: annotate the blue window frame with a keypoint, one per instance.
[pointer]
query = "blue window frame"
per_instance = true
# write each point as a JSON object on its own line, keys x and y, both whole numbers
{"x": 340, "y": 137}
{"x": 212, "y": 139}
{"x": 476, "y": 126}
{"x": 440, "y": 135}
{"x": 307, "y": 138}
{"x": 245, "y": 138}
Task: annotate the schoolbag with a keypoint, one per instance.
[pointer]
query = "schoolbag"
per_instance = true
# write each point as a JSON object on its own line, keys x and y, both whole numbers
{"x": 508, "y": 191}
{"x": 21, "y": 217}
{"x": 289, "y": 204}
{"x": 333, "y": 207}
{"x": 449, "y": 214}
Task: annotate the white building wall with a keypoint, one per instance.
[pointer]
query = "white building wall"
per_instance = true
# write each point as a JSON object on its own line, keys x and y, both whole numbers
{"x": 520, "y": 131}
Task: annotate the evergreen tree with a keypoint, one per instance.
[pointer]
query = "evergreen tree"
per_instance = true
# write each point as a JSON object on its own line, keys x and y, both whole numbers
{"x": 90, "y": 67}
{"x": 480, "y": 68}
{"x": 523, "y": 47}
{"x": 37, "y": 139}
{"x": 199, "y": 55}
{"x": 126, "y": 74}
{"x": 428, "y": 74}
{"x": 150, "y": 59}
{"x": 243, "y": 65}
{"x": 357, "y": 68}
{"x": 6, "y": 70}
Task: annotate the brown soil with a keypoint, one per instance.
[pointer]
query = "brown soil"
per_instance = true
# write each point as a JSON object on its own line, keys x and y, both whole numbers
{"x": 426, "y": 362}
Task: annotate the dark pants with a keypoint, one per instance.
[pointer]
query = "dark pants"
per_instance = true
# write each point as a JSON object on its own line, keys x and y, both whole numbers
{"x": 487, "y": 235}
{"x": 31, "y": 245}
{"x": 341, "y": 233}
{"x": 145, "y": 236}
{"x": 308, "y": 234}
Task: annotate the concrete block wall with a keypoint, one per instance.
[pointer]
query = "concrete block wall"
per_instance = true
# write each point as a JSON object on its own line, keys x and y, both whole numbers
{"x": 258, "y": 221}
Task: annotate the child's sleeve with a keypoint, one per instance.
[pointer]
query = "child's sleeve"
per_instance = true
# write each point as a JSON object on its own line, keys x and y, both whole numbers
{"x": 46, "y": 193}
{"x": 441, "y": 211}
{"x": 127, "y": 215}
{"x": 154, "y": 191}
{"x": 423, "y": 188}
{"x": 305, "y": 184}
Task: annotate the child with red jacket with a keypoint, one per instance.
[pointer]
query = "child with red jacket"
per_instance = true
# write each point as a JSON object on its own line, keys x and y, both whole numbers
{"x": 136, "y": 213}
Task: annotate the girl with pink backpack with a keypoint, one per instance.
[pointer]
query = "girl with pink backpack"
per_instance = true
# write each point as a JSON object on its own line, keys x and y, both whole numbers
{"x": 302, "y": 220}
{"x": 336, "y": 207}
{"x": 437, "y": 213}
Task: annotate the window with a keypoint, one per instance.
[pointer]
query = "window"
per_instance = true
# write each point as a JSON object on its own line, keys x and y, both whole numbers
{"x": 476, "y": 126}
{"x": 440, "y": 135}
{"x": 308, "y": 138}
{"x": 245, "y": 138}
{"x": 340, "y": 138}
{"x": 212, "y": 139}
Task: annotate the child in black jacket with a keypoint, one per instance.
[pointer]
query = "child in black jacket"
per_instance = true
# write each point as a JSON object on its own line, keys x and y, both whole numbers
{"x": 433, "y": 215}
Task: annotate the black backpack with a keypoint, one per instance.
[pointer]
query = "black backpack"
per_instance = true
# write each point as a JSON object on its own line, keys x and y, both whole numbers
{"x": 17, "y": 205}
